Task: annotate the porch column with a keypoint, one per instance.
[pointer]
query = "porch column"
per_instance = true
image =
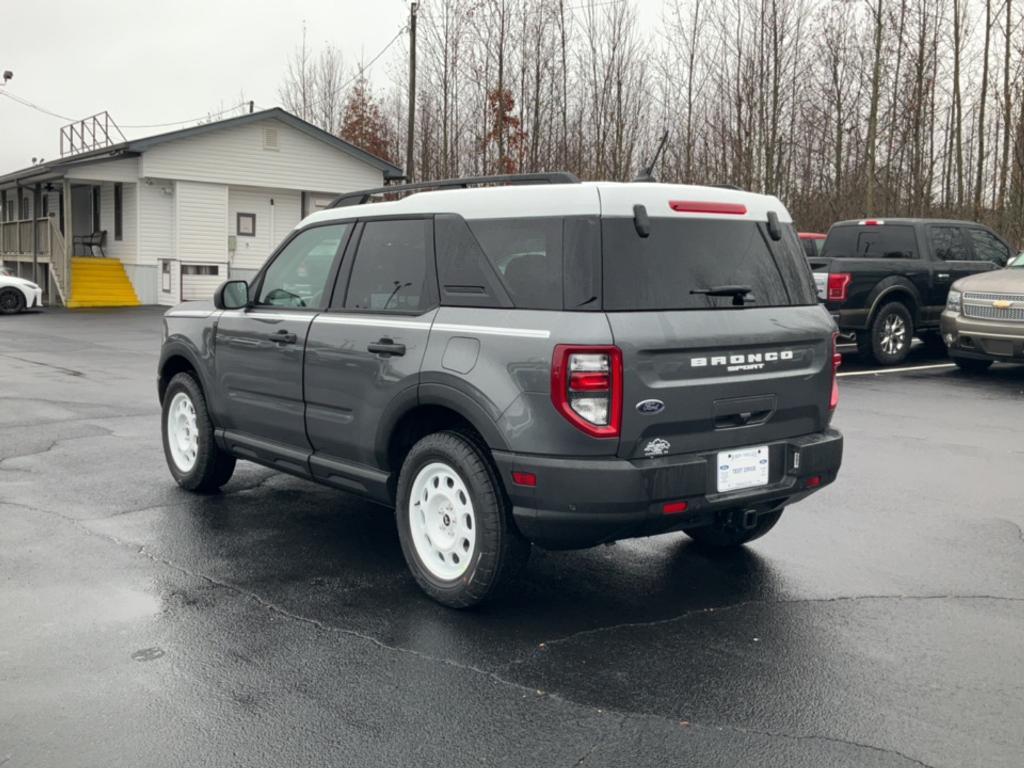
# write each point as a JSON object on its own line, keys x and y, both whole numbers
{"x": 37, "y": 207}
{"x": 68, "y": 236}
{"x": 17, "y": 217}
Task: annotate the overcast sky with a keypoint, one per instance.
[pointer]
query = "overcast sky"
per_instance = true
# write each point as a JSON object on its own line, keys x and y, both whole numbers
{"x": 154, "y": 62}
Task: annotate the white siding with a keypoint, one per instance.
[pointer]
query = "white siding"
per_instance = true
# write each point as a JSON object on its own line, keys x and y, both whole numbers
{"x": 277, "y": 213}
{"x": 155, "y": 221}
{"x": 200, "y": 213}
{"x": 237, "y": 156}
{"x": 125, "y": 249}
{"x": 125, "y": 169}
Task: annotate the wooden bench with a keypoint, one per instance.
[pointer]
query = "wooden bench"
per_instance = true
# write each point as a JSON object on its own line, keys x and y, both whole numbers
{"x": 87, "y": 242}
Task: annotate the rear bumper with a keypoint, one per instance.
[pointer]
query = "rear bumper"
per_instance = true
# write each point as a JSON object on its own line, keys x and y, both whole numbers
{"x": 982, "y": 339}
{"x": 582, "y": 502}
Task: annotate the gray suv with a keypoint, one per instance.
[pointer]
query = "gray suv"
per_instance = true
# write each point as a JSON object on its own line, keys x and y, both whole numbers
{"x": 524, "y": 359}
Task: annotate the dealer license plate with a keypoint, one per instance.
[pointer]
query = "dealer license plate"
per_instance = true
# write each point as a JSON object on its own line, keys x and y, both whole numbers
{"x": 742, "y": 468}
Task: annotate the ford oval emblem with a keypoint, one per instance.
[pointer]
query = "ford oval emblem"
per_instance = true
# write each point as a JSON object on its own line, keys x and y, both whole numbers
{"x": 650, "y": 407}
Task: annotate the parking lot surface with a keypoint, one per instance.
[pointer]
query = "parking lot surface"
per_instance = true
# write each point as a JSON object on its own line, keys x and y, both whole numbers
{"x": 879, "y": 624}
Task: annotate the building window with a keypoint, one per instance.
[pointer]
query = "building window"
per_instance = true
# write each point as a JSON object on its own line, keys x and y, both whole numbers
{"x": 247, "y": 224}
{"x": 22, "y": 207}
{"x": 165, "y": 276}
{"x": 46, "y": 205}
{"x": 208, "y": 270}
{"x": 118, "y": 212}
{"x": 95, "y": 209}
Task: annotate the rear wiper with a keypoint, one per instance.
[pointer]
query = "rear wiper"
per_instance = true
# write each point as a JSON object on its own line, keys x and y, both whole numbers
{"x": 738, "y": 292}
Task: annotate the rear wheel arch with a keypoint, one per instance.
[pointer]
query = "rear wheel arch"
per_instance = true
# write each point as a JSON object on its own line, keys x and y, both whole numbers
{"x": 905, "y": 293}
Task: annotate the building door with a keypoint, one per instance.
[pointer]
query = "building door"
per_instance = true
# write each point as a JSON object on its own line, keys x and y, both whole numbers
{"x": 199, "y": 281}
{"x": 81, "y": 214}
{"x": 260, "y": 350}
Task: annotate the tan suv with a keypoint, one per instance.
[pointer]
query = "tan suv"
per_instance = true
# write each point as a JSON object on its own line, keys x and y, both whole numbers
{"x": 984, "y": 318}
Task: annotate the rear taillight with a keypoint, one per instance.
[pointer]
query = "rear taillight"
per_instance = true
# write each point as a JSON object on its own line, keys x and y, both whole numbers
{"x": 837, "y": 360}
{"x": 586, "y": 387}
{"x": 838, "y": 285}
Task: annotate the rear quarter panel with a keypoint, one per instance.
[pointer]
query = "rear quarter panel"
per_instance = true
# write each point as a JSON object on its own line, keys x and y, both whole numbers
{"x": 500, "y": 360}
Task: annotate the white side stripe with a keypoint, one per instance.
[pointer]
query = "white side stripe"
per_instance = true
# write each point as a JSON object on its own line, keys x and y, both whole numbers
{"x": 376, "y": 322}
{"x": 490, "y": 330}
{"x": 189, "y": 313}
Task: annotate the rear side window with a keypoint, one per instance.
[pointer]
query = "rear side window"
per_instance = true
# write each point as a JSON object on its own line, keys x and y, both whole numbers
{"x": 391, "y": 269}
{"x": 948, "y": 244}
{"x": 465, "y": 276}
{"x": 888, "y": 241}
{"x": 660, "y": 272}
{"x": 527, "y": 256}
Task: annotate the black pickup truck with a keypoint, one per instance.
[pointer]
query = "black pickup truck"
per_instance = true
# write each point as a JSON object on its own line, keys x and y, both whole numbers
{"x": 886, "y": 281}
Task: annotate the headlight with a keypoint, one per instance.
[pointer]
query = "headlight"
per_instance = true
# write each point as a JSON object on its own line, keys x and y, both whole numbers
{"x": 953, "y": 300}
{"x": 33, "y": 286}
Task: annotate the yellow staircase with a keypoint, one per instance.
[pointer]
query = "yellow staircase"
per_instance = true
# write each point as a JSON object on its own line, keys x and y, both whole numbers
{"x": 99, "y": 282}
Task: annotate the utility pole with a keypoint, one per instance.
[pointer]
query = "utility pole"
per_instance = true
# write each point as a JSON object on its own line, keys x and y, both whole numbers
{"x": 410, "y": 169}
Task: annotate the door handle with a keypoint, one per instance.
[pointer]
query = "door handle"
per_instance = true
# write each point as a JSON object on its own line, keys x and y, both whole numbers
{"x": 386, "y": 348}
{"x": 283, "y": 337}
{"x": 943, "y": 276}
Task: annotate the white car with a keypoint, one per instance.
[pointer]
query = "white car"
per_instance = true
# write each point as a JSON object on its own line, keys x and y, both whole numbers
{"x": 18, "y": 294}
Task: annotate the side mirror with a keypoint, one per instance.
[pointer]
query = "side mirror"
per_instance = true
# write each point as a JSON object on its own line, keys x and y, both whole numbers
{"x": 774, "y": 228}
{"x": 233, "y": 294}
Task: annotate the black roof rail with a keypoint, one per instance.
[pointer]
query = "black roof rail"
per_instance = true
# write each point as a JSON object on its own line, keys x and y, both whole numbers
{"x": 362, "y": 196}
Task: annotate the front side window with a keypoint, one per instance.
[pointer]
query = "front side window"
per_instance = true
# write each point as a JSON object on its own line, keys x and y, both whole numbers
{"x": 949, "y": 244}
{"x": 987, "y": 247}
{"x": 297, "y": 278}
{"x": 390, "y": 273}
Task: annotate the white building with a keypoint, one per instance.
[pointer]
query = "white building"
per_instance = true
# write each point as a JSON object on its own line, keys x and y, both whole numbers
{"x": 173, "y": 214}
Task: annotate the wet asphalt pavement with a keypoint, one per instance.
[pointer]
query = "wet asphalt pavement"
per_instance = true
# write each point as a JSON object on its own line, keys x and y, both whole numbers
{"x": 880, "y": 624}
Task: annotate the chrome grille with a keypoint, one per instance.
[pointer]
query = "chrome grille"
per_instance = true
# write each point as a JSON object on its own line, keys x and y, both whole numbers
{"x": 980, "y": 305}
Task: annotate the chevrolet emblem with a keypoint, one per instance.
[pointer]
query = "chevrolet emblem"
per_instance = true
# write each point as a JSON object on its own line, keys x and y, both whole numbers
{"x": 1002, "y": 304}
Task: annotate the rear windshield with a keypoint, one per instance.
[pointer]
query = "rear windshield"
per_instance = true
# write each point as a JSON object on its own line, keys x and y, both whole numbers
{"x": 888, "y": 241}
{"x": 682, "y": 258}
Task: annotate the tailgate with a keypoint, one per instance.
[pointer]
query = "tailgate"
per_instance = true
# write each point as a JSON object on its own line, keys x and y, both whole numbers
{"x": 820, "y": 269}
{"x": 698, "y": 380}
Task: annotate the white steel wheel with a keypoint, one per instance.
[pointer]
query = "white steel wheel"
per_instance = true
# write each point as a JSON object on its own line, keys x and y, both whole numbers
{"x": 183, "y": 432}
{"x": 442, "y": 522}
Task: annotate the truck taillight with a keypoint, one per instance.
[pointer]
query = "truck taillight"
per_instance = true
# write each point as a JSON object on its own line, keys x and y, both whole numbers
{"x": 838, "y": 284}
{"x": 586, "y": 387}
{"x": 837, "y": 360}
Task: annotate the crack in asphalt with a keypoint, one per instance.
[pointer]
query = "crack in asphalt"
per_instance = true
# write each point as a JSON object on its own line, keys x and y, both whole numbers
{"x": 495, "y": 676}
{"x": 58, "y": 368}
{"x": 53, "y": 444}
{"x": 101, "y": 417}
{"x": 544, "y": 645}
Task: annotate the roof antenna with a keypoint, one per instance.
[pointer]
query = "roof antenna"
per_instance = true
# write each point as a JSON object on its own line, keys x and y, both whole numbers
{"x": 647, "y": 172}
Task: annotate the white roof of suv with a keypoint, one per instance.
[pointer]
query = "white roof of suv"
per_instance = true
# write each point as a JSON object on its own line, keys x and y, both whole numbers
{"x": 603, "y": 198}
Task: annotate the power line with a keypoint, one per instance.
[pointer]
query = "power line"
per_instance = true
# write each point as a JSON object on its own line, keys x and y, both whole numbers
{"x": 29, "y": 104}
{"x": 51, "y": 113}
{"x": 362, "y": 70}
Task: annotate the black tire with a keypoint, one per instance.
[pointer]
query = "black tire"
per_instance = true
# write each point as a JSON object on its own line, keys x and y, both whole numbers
{"x": 213, "y": 467}
{"x": 972, "y": 365}
{"x": 933, "y": 341}
{"x": 891, "y": 334}
{"x": 499, "y": 551}
{"x": 728, "y": 536}
{"x": 12, "y": 301}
